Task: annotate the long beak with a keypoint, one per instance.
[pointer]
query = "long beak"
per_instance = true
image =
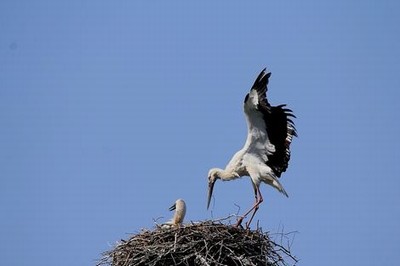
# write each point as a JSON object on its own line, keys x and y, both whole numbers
{"x": 210, "y": 191}
{"x": 173, "y": 207}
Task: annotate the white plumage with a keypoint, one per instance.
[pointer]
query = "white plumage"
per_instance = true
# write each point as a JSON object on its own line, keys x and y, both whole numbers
{"x": 266, "y": 152}
{"x": 180, "y": 210}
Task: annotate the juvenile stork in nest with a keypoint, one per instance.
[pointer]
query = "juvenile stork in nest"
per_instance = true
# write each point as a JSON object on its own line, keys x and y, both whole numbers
{"x": 180, "y": 211}
{"x": 266, "y": 153}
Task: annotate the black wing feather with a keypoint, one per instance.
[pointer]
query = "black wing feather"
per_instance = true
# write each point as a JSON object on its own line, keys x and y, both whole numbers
{"x": 281, "y": 129}
{"x": 280, "y": 132}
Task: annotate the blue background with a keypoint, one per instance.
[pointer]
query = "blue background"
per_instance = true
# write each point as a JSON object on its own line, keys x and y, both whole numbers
{"x": 111, "y": 110}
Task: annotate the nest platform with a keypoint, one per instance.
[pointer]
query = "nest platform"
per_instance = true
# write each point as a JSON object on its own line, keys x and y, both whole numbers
{"x": 202, "y": 243}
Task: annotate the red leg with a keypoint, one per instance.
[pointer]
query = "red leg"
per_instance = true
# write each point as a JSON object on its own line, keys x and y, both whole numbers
{"x": 255, "y": 206}
{"x": 260, "y": 199}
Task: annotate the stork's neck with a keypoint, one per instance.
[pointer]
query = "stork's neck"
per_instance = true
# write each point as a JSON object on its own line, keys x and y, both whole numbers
{"x": 179, "y": 215}
{"x": 227, "y": 174}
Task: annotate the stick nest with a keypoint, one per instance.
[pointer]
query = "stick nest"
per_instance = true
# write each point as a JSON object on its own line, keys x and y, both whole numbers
{"x": 204, "y": 243}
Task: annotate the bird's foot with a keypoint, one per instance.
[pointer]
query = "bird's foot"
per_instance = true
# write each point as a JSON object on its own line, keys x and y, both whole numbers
{"x": 248, "y": 225}
{"x": 239, "y": 222}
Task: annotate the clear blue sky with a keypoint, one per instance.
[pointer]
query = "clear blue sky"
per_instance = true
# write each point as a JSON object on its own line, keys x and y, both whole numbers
{"x": 111, "y": 110}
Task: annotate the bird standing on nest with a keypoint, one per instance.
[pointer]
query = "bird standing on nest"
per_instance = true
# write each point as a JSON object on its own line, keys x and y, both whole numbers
{"x": 266, "y": 153}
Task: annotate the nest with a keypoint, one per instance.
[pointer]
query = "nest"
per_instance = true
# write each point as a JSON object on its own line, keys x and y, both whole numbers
{"x": 204, "y": 243}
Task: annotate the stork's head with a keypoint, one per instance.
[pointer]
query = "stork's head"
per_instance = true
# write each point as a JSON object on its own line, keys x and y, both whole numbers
{"x": 213, "y": 175}
{"x": 179, "y": 205}
{"x": 180, "y": 212}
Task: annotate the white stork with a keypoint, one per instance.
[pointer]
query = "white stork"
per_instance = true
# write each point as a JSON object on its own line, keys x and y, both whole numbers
{"x": 180, "y": 211}
{"x": 266, "y": 153}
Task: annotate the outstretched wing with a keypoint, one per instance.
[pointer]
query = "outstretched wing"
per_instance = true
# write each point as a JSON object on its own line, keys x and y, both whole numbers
{"x": 270, "y": 128}
{"x": 281, "y": 130}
